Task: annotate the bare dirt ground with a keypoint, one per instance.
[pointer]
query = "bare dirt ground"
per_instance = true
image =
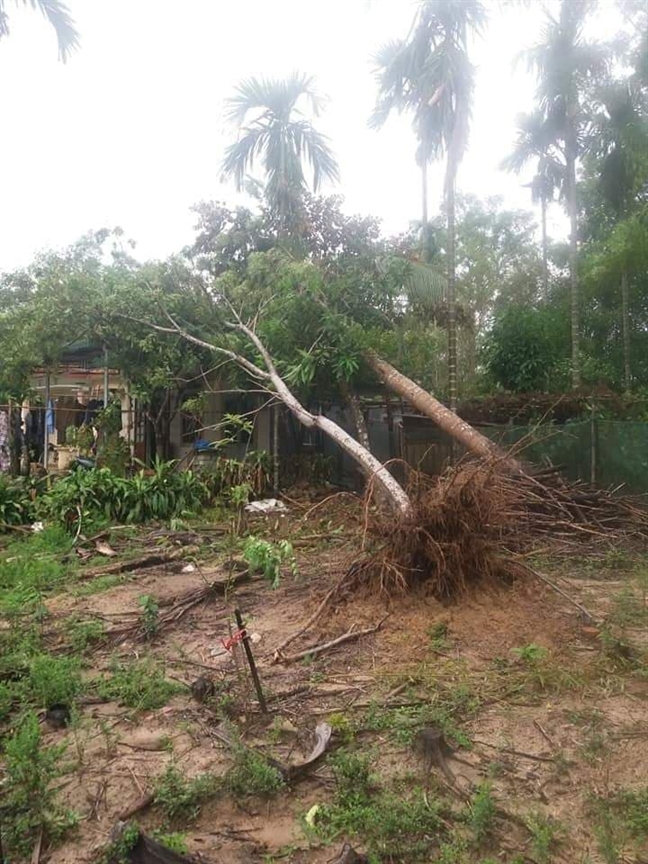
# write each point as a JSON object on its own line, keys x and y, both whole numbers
{"x": 546, "y": 711}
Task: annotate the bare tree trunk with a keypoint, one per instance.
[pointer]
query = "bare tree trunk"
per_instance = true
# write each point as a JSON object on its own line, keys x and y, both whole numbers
{"x": 545, "y": 255}
{"x": 452, "y": 296}
{"x": 445, "y": 419}
{"x": 424, "y": 215}
{"x": 572, "y": 207}
{"x": 625, "y": 315}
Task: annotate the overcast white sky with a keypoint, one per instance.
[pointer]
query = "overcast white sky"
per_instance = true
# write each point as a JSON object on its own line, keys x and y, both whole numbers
{"x": 129, "y": 132}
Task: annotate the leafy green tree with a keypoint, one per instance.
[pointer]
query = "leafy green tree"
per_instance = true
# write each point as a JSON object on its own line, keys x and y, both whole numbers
{"x": 274, "y": 129}
{"x": 59, "y": 17}
{"x": 523, "y": 349}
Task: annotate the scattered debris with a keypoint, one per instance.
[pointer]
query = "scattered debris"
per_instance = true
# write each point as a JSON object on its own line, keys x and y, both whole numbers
{"x": 266, "y": 506}
{"x": 325, "y": 646}
{"x": 150, "y": 560}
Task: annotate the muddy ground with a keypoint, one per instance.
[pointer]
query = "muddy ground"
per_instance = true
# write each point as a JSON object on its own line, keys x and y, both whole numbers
{"x": 546, "y": 711}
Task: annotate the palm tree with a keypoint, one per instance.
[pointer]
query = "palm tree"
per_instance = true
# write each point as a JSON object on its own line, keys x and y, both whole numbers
{"x": 565, "y": 65}
{"x": 534, "y": 141}
{"x": 619, "y": 139}
{"x": 273, "y": 129}
{"x": 430, "y": 74}
{"x": 58, "y": 16}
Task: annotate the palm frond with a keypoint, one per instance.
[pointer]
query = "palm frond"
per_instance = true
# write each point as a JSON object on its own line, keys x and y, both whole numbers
{"x": 58, "y": 15}
{"x": 316, "y": 149}
{"x": 240, "y": 156}
{"x": 424, "y": 285}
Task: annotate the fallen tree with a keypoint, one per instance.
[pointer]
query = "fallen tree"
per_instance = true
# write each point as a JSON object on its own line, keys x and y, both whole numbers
{"x": 376, "y": 473}
{"x": 445, "y": 419}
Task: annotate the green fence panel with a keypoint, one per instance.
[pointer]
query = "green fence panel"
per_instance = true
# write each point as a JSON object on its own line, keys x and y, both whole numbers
{"x": 622, "y": 455}
{"x": 568, "y": 446}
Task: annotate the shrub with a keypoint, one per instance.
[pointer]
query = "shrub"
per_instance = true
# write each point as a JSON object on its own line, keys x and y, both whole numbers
{"x": 268, "y": 557}
{"x": 16, "y": 505}
{"x": 29, "y": 804}
{"x": 99, "y": 494}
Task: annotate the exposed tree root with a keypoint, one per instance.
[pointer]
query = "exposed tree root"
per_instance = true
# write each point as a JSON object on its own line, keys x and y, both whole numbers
{"x": 469, "y": 526}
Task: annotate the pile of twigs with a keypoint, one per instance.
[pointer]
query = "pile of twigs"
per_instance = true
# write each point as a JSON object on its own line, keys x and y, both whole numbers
{"x": 471, "y": 524}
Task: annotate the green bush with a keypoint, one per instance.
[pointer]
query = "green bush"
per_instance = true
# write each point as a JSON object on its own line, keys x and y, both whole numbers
{"x": 29, "y": 805}
{"x": 53, "y": 680}
{"x": 99, "y": 494}
{"x": 16, "y": 505}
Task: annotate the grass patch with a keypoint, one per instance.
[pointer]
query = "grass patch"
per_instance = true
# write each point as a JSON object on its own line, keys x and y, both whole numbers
{"x": 393, "y": 824}
{"x": 99, "y": 584}
{"x": 447, "y": 708}
{"x": 142, "y": 686}
{"x": 621, "y": 824}
{"x": 630, "y": 606}
{"x": 29, "y": 804}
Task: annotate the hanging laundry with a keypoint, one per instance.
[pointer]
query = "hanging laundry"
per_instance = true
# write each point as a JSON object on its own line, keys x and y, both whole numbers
{"x": 5, "y": 457}
{"x": 49, "y": 417}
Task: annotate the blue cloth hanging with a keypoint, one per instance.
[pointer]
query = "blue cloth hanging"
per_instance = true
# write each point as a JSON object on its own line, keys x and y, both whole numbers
{"x": 49, "y": 417}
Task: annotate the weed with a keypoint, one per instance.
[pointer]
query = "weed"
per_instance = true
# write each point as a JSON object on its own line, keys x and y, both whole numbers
{"x": 141, "y": 685}
{"x": 118, "y": 852}
{"x": 268, "y": 558}
{"x": 539, "y": 671}
{"x": 251, "y": 776}
{"x": 630, "y": 606}
{"x": 481, "y": 813}
{"x": 173, "y": 840}
{"x": 179, "y": 797}
{"x": 438, "y": 634}
{"x": 621, "y": 822}
{"x": 530, "y": 654}
{"x": 341, "y": 725}
{"x": 82, "y": 634}
{"x": 29, "y": 804}
{"x": 353, "y": 778}
{"x": 453, "y": 852}
{"x": 53, "y": 680}
{"x": 149, "y": 616}
{"x": 544, "y": 836}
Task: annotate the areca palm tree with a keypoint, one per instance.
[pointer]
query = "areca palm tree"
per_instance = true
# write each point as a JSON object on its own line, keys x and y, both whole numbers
{"x": 59, "y": 17}
{"x": 274, "y": 130}
{"x": 619, "y": 139}
{"x": 566, "y": 65}
{"x": 430, "y": 75}
{"x": 534, "y": 141}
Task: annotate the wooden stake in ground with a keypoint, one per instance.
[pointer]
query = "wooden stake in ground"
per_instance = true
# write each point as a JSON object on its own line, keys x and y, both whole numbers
{"x": 250, "y": 658}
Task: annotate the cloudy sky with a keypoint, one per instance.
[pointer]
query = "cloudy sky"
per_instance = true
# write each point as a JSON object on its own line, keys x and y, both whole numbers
{"x": 130, "y": 131}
